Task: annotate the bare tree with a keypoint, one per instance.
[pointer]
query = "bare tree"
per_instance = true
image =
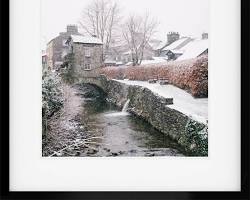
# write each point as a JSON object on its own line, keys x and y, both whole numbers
{"x": 100, "y": 19}
{"x": 137, "y": 33}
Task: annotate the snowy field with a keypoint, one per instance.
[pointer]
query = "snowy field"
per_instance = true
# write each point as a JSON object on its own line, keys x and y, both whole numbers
{"x": 196, "y": 108}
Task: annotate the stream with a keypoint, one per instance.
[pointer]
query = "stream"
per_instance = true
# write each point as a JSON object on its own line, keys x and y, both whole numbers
{"x": 119, "y": 133}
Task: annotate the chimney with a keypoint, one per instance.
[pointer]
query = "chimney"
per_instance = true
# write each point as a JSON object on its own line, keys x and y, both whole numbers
{"x": 72, "y": 29}
{"x": 172, "y": 36}
{"x": 204, "y": 36}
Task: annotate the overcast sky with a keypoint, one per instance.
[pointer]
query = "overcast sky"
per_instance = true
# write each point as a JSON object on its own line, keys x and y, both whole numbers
{"x": 188, "y": 17}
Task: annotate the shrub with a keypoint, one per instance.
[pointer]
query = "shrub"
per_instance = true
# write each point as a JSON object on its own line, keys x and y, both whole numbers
{"x": 191, "y": 75}
{"x": 67, "y": 68}
{"x": 195, "y": 138}
{"x": 52, "y": 99}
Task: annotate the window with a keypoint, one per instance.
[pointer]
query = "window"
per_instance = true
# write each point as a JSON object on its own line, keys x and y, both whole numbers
{"x": 87, "y": 52}
{"x": 87, "y": 66}
{"x": 64, "y": 43}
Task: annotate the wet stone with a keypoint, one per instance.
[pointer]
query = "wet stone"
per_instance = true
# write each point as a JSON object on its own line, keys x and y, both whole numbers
{"x": 91, "y": 151}
{"x": 106, "y": 149}
{"x": 121, "y": 152}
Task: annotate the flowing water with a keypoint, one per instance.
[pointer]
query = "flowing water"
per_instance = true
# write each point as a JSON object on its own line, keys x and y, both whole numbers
{"x": 120, "y": 133}
{"x": 125, "y": 107}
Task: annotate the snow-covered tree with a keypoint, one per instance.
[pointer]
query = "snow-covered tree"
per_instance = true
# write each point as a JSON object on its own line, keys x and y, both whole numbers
{"x": 52, "y": 99}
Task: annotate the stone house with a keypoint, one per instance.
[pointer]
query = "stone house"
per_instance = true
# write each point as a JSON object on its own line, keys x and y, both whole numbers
{"x": 186, "y": 48}
{"x": 173, "y": 51}
{"x": 57, "y": 49}
{"x": 87, "y": 54}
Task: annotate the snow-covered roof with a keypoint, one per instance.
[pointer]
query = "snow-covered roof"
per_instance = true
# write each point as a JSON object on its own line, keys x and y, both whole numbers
{"x": 178, "y": 43}
{"x": 109, "y": 61}
{"x": 44, "y": 53}
{"x": 193, "y": 49}
{"x": 154, "y": 61}
{"x": 129, "y": 63}
{"x": 85, "y": 39}
{"x": 119, "y": 63}
{"x": 177, "y": 51}
{"x": 127, "y": 52}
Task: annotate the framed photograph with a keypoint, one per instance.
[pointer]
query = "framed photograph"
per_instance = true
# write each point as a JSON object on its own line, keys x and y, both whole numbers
{"x": 125, "y": 99}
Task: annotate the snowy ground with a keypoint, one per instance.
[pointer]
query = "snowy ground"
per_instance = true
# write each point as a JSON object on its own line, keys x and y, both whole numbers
{"x": 196, "y": 108}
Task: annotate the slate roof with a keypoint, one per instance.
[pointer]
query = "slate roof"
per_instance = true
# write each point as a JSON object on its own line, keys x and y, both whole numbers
{"x": 178, "y": 44}
{"x": 194, "y": 49}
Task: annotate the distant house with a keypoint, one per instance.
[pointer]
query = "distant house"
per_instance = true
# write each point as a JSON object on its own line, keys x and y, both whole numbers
{"x": 148, "y": 54}
{"x": 57, "y": 49}
{"x": 175, "y": 48}
{"x": 186, "y": 48}
{"x": 194, "y": 49}
{"x": 87, "y": 54}
{"x": 109, "y": 63}
{"x": 173, "y": 51}
{"x": 122, "y": 53}
{"x": 171, "y": 37}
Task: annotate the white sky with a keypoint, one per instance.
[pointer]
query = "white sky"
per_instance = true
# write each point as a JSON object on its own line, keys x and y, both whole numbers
{"x": 188, "y": 17}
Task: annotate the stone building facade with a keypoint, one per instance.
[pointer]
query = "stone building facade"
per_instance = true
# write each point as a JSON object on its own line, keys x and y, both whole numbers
{"x": 44, "y": 60}
{"x": 87, "y": 55}
{"x": 57, "y": 49}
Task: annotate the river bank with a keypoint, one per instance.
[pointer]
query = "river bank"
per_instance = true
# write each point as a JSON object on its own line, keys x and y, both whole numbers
{"x": 65, "y": 128}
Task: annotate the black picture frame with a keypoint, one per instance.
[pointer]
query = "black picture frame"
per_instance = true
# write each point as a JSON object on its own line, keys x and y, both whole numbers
{"x": 245, "y": 131}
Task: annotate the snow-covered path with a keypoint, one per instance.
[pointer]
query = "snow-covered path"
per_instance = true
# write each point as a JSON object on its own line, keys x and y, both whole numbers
{"x": 196, "y": 108}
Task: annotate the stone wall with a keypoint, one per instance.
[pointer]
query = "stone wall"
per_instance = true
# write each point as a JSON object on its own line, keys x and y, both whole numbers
{"x": 190, "y": 134}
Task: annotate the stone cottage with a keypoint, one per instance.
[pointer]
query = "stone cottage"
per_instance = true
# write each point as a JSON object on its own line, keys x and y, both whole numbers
{"x": 87, "y": 54}
{"x": 57, "y": 49}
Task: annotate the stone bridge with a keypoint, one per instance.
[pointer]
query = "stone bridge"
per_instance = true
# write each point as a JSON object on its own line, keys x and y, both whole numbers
{"x": 190, "y": 134}
{"x": 98, "y": 81}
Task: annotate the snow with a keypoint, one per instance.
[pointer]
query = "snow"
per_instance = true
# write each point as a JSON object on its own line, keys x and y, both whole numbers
{"x": 44, "y": 53}
{"x": 119, "y": 63}
{"x": 193, "y": 49}
{"x": 154, "y": 61}
{"x": 196, "y": 108}
{"x": 177, "y": 51}
{"x": 109, "y": 61}
{"x": 176, "y": 44}
{"x": 128, "y": 64}
{"x": 85, "y": 39}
